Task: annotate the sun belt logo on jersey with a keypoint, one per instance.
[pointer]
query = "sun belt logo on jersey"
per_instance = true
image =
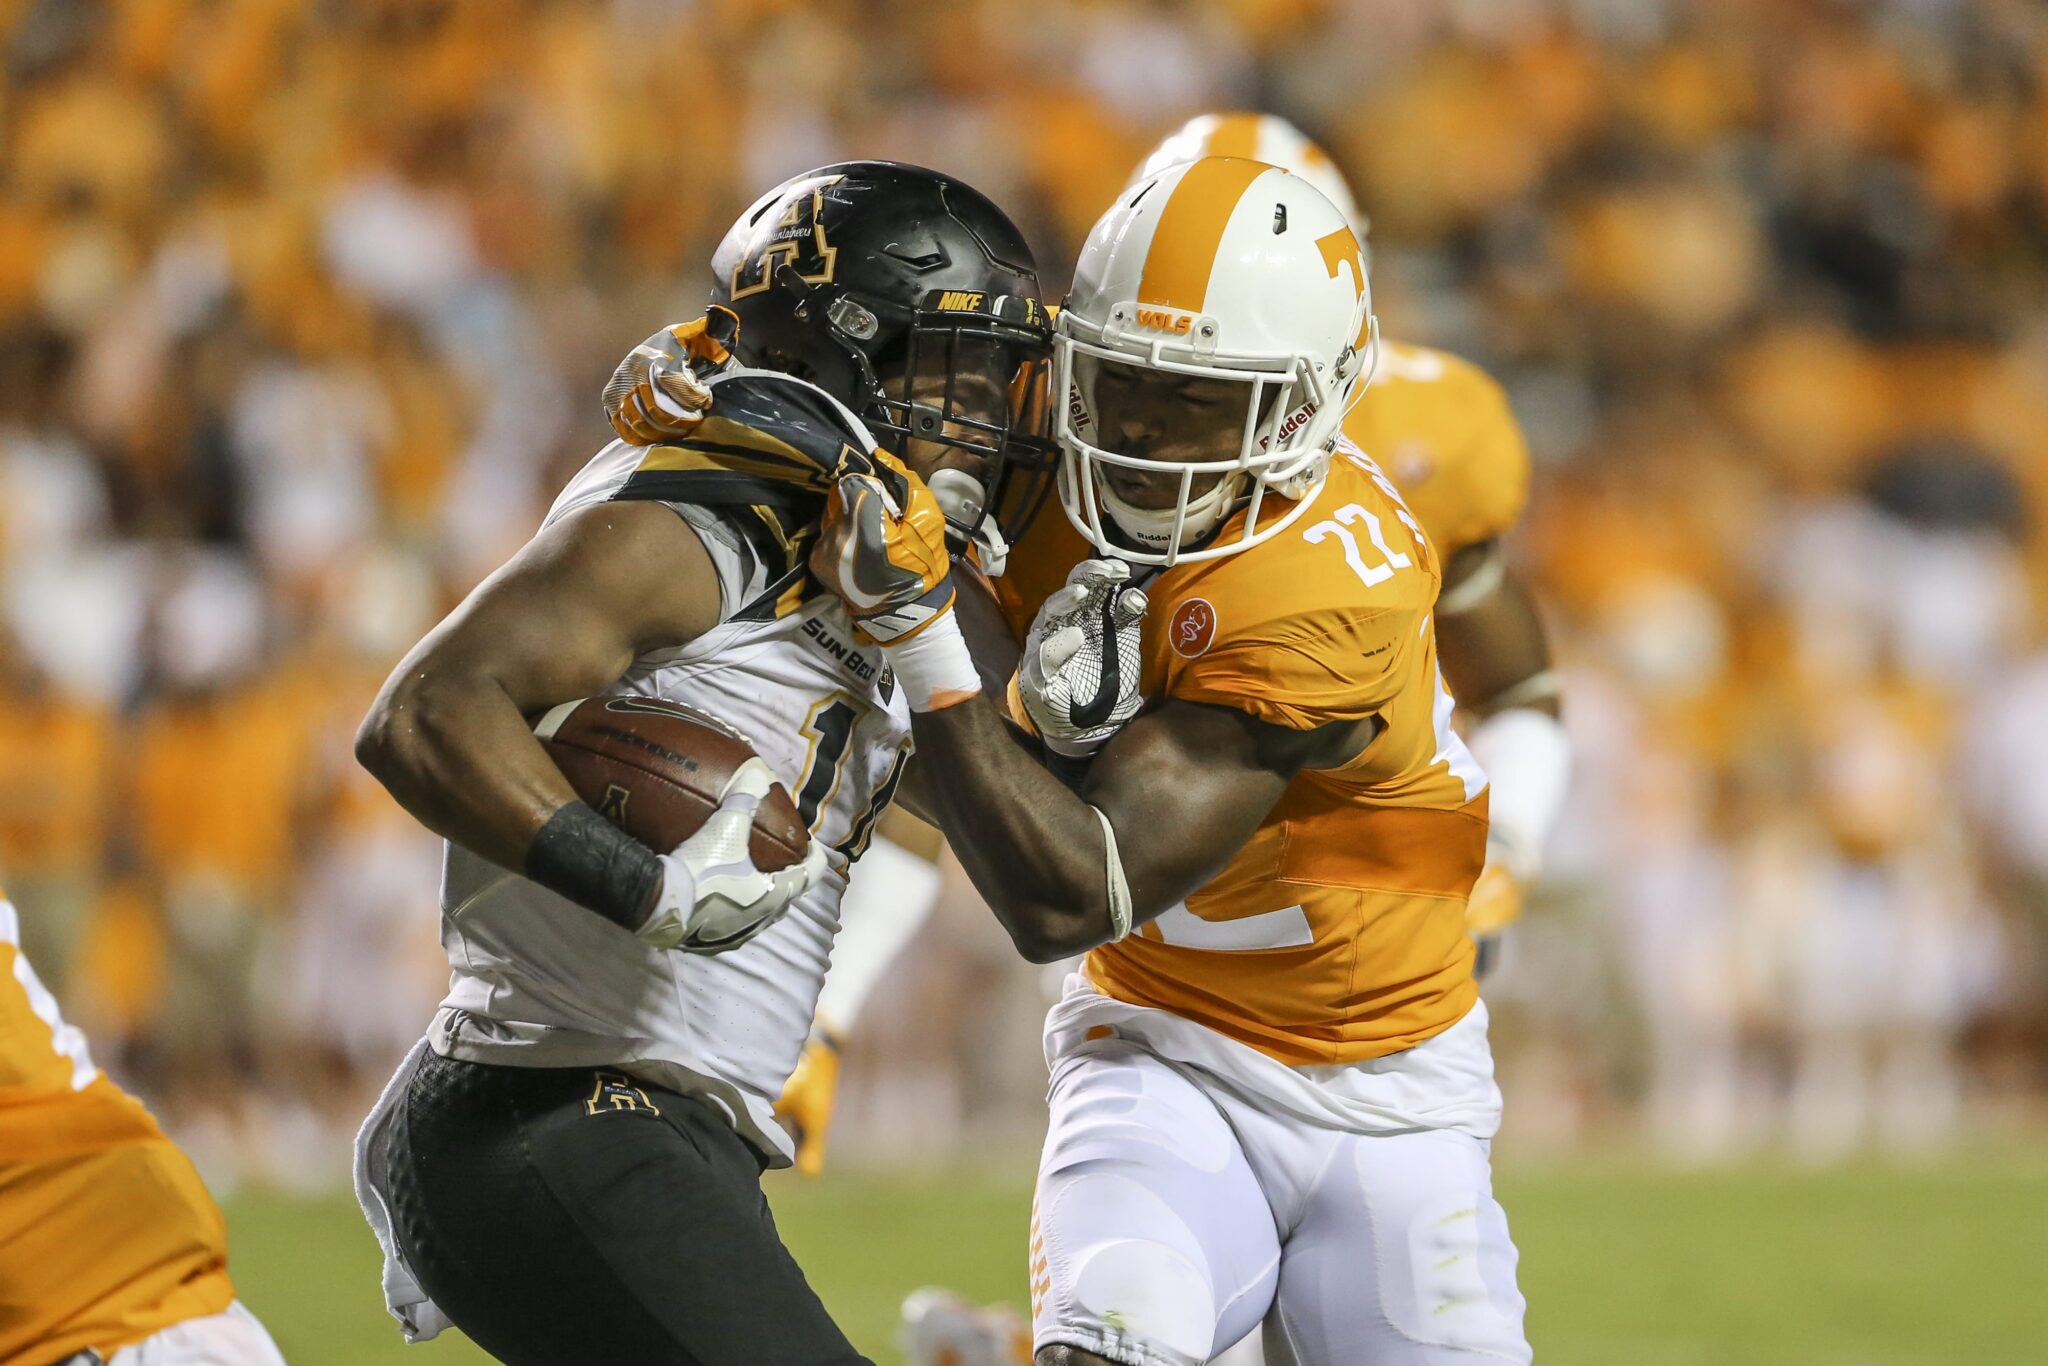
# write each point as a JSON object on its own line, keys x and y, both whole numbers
{"x": 1193, "y": 629}
{"x": 1165, "y": 320}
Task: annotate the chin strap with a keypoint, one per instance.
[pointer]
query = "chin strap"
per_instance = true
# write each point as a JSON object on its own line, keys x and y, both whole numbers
{"x": 1153, "y": 527}
{"x": 962, "y": 499}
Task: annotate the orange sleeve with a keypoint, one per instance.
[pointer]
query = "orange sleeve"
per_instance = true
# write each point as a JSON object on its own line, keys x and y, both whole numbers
{"x": 1309, "y": 670}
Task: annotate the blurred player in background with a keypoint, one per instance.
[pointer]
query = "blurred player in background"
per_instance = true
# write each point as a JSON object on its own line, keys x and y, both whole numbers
{"x": 113, "y": 1251}
{"x": 1272, "y": 1096}
{"x": 1442, "y": 429}
{"x": 568, "y": 1166}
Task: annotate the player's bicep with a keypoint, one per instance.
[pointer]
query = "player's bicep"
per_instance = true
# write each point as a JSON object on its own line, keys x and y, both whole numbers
{"x": 568, "y": 613}
{"x": 1185, "y": 786}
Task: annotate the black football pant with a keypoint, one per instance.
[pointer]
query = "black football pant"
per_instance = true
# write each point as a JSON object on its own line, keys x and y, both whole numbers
{"x": 577, "y": 1217}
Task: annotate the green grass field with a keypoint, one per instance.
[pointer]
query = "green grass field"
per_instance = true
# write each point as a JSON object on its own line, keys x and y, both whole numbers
{"x": 1622, "y": 1266}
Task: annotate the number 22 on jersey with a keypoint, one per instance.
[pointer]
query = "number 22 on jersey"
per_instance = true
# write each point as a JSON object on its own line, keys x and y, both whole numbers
{"x": 1352, "y": 515}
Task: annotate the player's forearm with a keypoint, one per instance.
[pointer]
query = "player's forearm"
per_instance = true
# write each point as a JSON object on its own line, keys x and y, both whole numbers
{"x": 456, "y": 753}
{"x": 1033, "y": 849}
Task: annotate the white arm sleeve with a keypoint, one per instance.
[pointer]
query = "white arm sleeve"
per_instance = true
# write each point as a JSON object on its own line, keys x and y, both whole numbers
{"x": 890, "y": 897}
{"x": 1528, "y": 763}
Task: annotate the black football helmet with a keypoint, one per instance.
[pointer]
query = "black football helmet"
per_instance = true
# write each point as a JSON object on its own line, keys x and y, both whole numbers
{"x": 912, "y": 299}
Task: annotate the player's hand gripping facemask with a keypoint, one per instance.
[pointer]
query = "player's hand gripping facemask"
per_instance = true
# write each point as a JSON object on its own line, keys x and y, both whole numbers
{"x": 882, "y": 550}
{"x": 1079, "y": 676}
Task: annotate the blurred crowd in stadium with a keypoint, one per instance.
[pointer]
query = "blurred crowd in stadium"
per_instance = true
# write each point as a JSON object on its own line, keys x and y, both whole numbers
{"x": 305, "y": 306}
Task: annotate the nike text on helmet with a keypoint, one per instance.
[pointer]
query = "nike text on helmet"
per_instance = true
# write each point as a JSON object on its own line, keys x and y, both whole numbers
{"x": 1269, "y": 280}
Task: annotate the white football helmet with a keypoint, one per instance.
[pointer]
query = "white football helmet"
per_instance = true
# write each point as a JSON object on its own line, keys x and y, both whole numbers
{"x": 1262, "y": 137}
{"x": 1217, "y": 269}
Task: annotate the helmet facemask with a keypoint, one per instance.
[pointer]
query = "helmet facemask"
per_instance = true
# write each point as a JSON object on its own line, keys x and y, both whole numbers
{"x": 1286, "y": 416}
{"x": 958, "y": 389}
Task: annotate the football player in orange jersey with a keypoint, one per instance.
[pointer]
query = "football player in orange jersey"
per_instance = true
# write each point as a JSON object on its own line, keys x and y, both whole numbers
{"x": 1272, "y": 1096}
{"x": 113, "y": 1251}
{"x": 1441, "y": 429}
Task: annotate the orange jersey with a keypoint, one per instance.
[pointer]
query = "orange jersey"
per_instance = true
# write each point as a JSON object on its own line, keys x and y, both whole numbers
{"x": 1337, "y": 933}
{"x": 1441, "y": 429}
{"x": 110, "y": 1235}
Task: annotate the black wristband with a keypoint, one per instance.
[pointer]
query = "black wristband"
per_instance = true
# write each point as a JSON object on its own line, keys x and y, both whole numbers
{"x": 600, "y": 867}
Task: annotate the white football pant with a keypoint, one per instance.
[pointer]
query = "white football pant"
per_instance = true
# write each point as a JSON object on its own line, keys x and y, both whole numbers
{"x": 1174, "y": 1217}
{"x": 234, "y": 1337}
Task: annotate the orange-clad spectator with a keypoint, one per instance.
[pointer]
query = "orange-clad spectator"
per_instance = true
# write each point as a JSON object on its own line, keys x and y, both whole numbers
{"x": 55, "y": 755}
{"x": 92, "y": 137}
{"x": 219, "y": 772}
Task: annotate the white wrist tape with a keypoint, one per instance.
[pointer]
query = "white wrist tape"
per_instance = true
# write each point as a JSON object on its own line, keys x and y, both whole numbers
{"x": 934, "y": 667}
{"x": 1528, "y": 763}
{"x": 1119, "y": 887}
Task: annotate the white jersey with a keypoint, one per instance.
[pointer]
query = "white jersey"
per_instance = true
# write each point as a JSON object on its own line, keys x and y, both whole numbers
{"x": 538, "y": 981}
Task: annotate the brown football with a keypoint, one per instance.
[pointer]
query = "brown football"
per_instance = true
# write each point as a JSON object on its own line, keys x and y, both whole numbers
{"x": 655, "y": 770}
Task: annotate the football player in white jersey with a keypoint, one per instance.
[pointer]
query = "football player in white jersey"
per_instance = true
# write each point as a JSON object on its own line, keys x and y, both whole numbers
{"x": 567, "y": 1167}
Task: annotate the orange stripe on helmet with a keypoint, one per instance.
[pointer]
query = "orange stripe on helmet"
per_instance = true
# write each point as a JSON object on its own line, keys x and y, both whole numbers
{"x": 1184, "y": 245}
{"x": 1235, "y": 135}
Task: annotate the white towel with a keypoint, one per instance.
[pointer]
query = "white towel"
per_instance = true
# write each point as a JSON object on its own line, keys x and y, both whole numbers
{"x": 416, "y": 1314}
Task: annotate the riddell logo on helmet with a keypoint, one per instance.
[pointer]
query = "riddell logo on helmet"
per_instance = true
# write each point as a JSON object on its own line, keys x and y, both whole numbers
{"x": 1162, "y": 320}
{"x": 1293, "y": 424}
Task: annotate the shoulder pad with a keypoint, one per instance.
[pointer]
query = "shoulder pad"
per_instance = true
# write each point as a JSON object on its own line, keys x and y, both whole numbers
{"x": 765, "y": 454}
{"x": 769, "y": 438}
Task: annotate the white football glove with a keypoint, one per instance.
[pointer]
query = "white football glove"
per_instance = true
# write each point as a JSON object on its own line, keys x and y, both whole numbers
{"x": 713, "y": 898}
{"x": 1082, "y": 660}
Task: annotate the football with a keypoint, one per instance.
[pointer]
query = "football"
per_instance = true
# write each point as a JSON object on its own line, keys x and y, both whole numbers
{"x": 655, "y": 769}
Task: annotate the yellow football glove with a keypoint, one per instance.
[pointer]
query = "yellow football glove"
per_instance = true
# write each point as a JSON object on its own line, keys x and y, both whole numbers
{"x": 1495, "y": 903}
{"x": 882, "y": 549}
{"x": 805, "y": 1107}
{"x": 655, "y": 396}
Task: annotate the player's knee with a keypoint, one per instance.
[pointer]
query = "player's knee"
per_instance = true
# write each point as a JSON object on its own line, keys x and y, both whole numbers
{"x": 1129, "y": 1264}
